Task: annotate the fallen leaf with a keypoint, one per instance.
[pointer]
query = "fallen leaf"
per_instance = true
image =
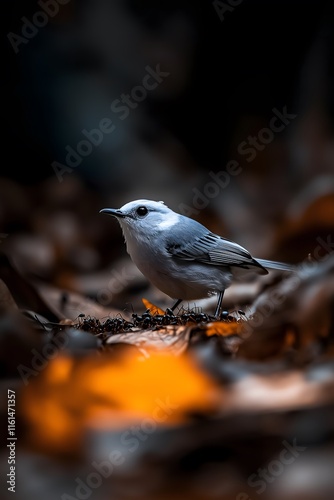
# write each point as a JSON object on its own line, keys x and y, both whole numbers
{"x": 69, "y": 305}
{"x": 123, "y": 387}
{"x": 168, "y": 339}
{"x": 223, "y": 328}
{"x": 295, "y": 313}
{"x": 24, "y": 293}
{"x": 7, "y": 303}
{"x": 154, "y": 310}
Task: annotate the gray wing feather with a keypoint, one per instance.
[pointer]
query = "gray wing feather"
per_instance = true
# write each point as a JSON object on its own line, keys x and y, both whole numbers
{"x": 209, "y": 248}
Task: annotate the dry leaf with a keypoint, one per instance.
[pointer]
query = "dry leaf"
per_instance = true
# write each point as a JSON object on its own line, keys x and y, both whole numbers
{"x": 168, "y": 339}
{"x": 23, "y": 292}
{"x": 122, "y": 388}
{"x": 154, "y": 310}
{"x": 7, "y": 303}
{"x": 297, "y": 312}
{"x": 223, "y": 328}
{"x": 69, "y": 305}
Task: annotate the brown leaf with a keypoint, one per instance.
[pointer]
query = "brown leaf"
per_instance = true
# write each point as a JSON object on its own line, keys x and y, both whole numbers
{"x": 168, "y": 339}
{"x": 69, "y": 305}
{"x": 24, "y": 293}
{"x": 7, "y": 303}
{"x": 297, "y": 312}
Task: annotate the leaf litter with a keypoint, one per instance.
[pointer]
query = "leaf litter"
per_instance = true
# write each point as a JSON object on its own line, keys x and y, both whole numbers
{"x": 262, "y": 376}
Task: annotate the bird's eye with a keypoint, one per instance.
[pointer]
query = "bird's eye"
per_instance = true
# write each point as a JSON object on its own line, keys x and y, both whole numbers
{"x": 142, "y": 211}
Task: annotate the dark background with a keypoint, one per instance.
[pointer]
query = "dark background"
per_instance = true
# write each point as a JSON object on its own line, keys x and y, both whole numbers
{"x": 245, "y": 65}
{"x": 225, "y": 79}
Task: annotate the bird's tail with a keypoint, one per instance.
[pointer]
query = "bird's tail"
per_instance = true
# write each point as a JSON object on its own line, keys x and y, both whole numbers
{"x": 281, "y": 266}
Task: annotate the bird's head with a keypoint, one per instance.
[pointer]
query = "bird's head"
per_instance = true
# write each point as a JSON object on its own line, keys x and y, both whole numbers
{"x": 143, "y": 217}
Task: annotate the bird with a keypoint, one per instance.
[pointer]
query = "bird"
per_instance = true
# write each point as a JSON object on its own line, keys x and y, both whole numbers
{"x": 180, "y": 256}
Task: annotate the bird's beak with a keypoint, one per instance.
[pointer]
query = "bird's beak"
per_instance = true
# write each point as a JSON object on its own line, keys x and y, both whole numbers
{"x": 112, "y": 211}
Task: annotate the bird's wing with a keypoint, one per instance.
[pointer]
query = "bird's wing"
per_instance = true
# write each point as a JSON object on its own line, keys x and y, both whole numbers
{"x": 212, "y": 249}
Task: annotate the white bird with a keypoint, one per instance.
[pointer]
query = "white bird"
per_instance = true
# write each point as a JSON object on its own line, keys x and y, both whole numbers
{"x": 180, "y": 256}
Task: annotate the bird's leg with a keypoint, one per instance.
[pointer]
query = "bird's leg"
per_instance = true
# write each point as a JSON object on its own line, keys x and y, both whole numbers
{"x": 219, "y": 304}
{"x": 177, "y": 303}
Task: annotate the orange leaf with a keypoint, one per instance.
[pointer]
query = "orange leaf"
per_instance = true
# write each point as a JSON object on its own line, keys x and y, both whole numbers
{"x": 154, "y": 310}
{"x": 223, "y": 328}
{"x": 105, "y": 391}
